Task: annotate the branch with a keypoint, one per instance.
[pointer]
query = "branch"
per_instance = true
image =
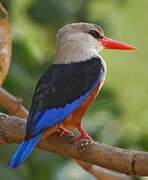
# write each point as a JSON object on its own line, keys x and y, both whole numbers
{"x": 12, "y": 104}
{"x": 102, "y": 173}
{"x": 12, "y": 130}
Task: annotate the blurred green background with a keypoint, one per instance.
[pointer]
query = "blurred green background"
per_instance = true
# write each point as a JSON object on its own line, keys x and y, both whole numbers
{"x": 119, "y": 116}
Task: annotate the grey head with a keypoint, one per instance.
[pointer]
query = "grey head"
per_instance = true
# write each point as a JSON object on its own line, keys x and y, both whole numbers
{"x": 78, "y": 42}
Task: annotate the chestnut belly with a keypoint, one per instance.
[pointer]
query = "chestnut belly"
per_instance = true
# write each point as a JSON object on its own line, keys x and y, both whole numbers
{"x": 74, "y": 118}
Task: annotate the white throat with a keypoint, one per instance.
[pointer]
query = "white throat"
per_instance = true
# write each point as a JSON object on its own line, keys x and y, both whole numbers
{"x": 71, "y": 55}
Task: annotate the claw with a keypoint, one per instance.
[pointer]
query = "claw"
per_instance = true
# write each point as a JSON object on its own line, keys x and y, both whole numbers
{"x": 75, "y": 139}
{"x": 84, "y": 134}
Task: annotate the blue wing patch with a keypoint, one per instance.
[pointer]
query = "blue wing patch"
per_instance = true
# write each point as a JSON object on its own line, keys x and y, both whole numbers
{"x": 54, "y": 116}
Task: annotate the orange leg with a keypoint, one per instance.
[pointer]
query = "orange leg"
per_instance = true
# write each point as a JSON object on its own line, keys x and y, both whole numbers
{"x": 84, "y": 134}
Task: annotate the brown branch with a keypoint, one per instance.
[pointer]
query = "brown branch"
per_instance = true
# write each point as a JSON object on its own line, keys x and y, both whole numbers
{"x": 102, "y": 173}
{"x": 12, "y": 130}
{"x": 12, "y": 104}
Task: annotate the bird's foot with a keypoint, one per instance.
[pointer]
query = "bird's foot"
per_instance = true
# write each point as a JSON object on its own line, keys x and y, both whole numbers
{"x": 84, "y": 134}
{"x": 62, "y": 131}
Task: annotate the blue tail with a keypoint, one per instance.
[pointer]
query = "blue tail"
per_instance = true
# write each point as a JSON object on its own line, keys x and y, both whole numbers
{"x": 23, "y": 151}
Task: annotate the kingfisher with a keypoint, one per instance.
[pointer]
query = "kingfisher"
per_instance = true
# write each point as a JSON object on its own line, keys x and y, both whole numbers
{"x": 68, "y": 87}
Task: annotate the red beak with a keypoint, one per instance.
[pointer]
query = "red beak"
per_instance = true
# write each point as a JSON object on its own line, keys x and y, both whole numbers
{"x": 114, "y": 44}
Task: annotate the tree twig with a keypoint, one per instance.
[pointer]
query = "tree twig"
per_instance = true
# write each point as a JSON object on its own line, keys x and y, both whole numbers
{"x": 12, "y": 104}
{"x": 12, "y": 130}
{"x": 102, "y": 173}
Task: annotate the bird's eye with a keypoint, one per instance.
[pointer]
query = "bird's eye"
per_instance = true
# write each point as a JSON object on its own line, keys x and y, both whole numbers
{"x": 95, "y": 34}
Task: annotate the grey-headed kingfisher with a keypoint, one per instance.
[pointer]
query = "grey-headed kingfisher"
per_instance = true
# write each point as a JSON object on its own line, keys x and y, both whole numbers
{"x": 69, "y": 86}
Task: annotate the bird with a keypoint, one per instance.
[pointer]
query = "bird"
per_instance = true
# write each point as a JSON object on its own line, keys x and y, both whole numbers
{"x": 68, "y": 87}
